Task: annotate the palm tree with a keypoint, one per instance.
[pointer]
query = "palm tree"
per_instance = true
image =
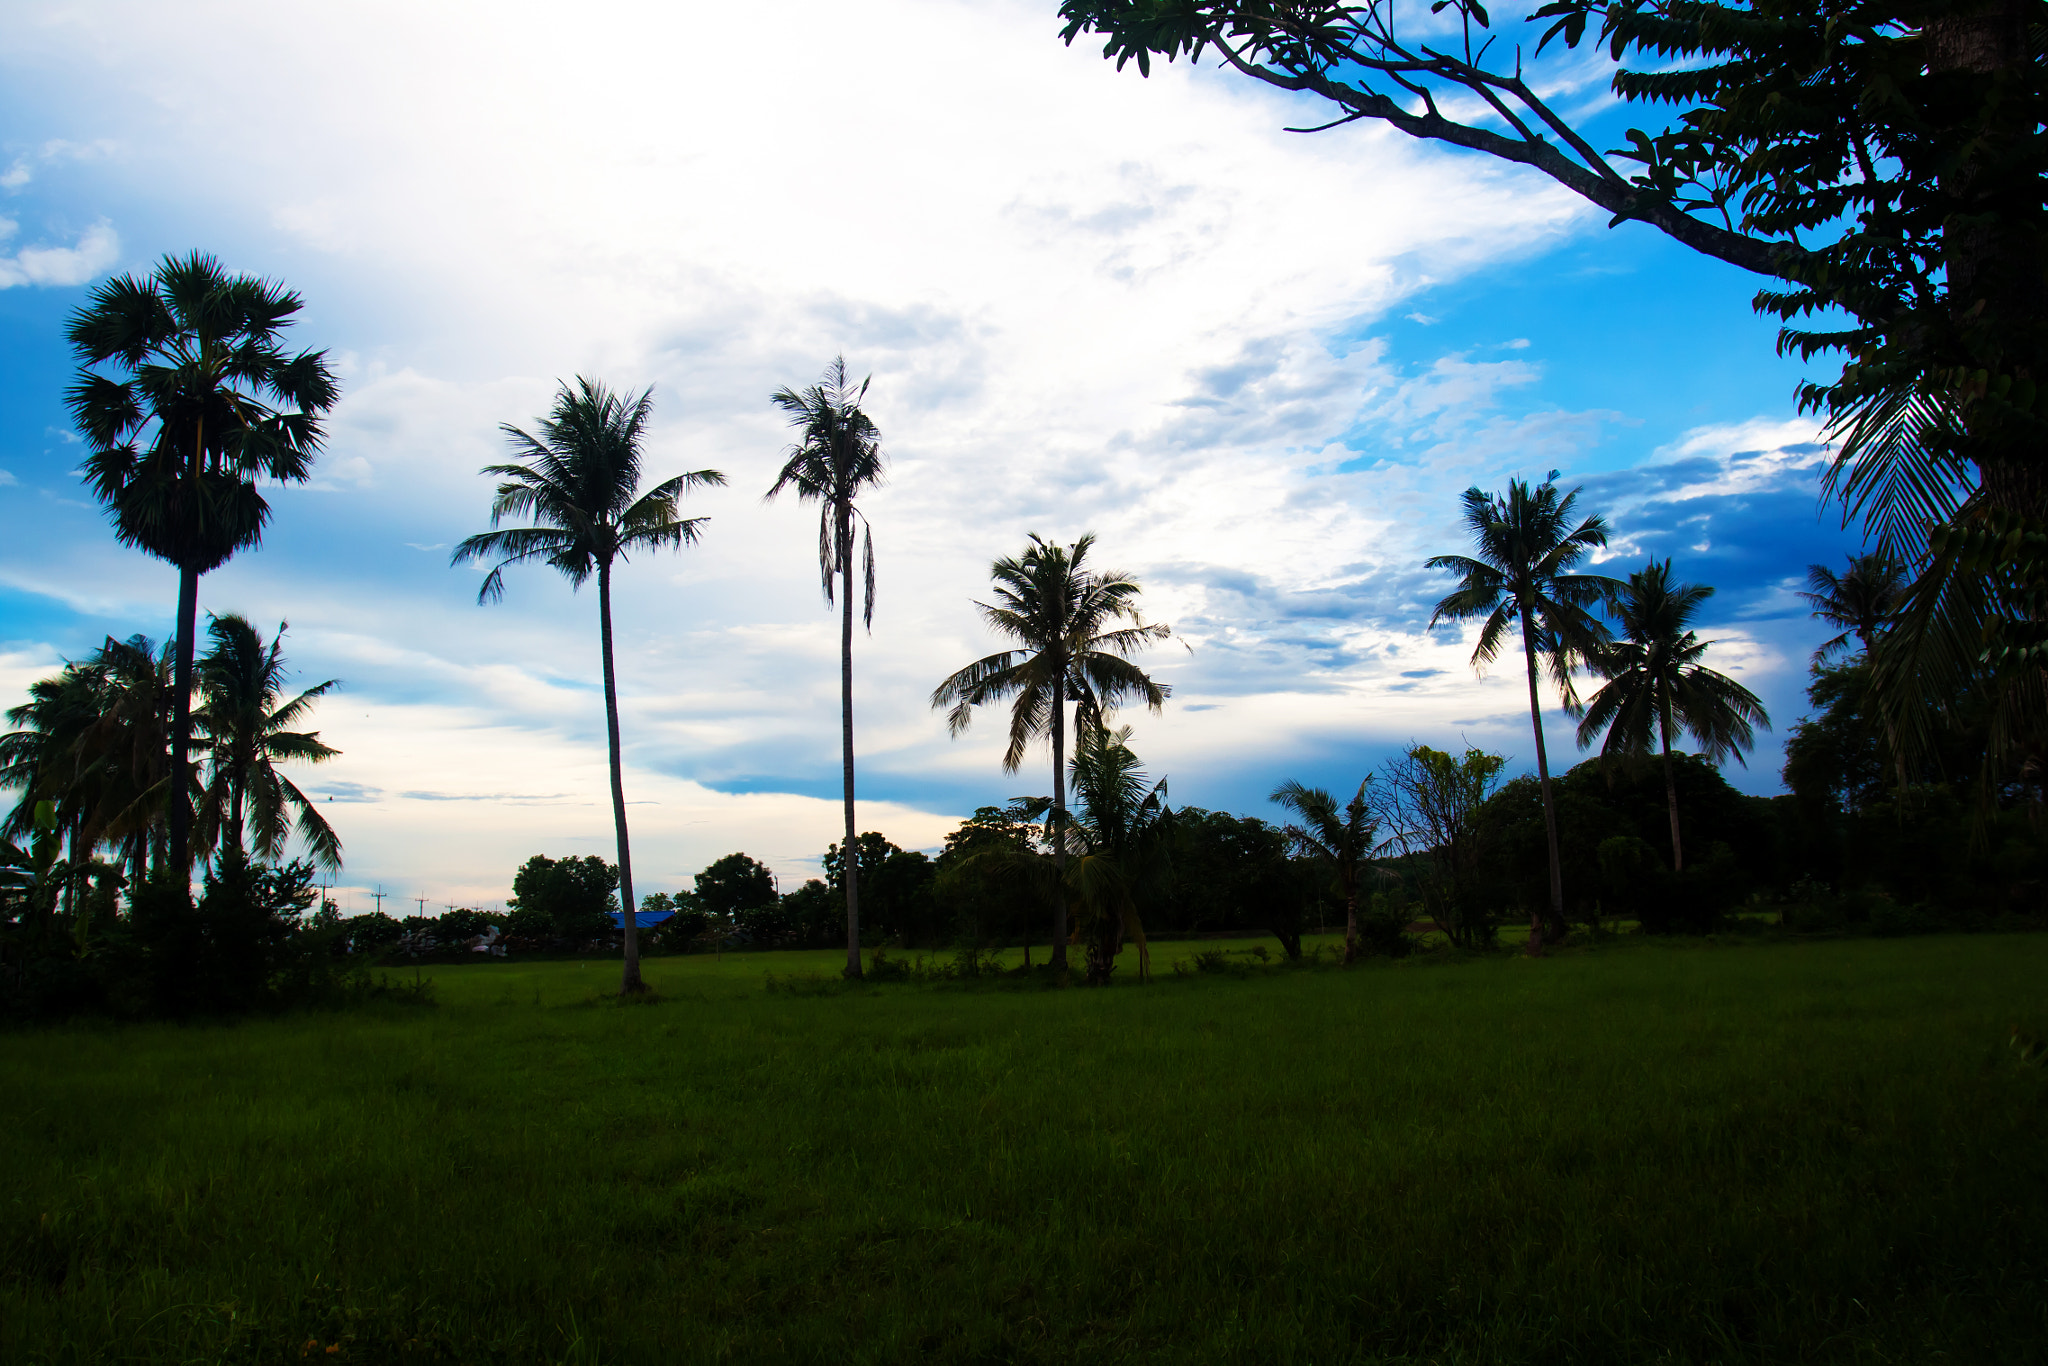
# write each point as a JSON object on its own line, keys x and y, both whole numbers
{"x": 44, "y": 756}
{"x": 1657, "y": 685}
{"x": 1341, "y": 838}
{"x": 1069, "y": 649}
{"x": 204, "y": 402}
{"x": 130, "y": 745}
{"x": 580, "y": 483}
{"x": 837, "y": 455}
{"x": 1862, "y": 600}
{"x": 248, "y": 732}
{"x": 1119, "y": 839}
{"x": 1525, "y": 546}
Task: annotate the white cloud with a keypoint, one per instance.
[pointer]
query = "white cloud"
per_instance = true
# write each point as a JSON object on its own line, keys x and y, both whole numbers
{"x": 98, "y": 247}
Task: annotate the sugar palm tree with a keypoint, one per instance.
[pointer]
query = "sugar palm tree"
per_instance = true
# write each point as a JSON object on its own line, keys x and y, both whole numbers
{"x": 1862, "y": 600}
{"x": 1525, "y": 546}
{"x": 249, "y": 732}
{"x": 1069, "y": 649}
{"x": 1340, "y": 837}
{"x": 836, "y": 457}
{"x": 579, "y": 480}
{"x": 1657, "y": 686}
{"x": 186, "y": 397}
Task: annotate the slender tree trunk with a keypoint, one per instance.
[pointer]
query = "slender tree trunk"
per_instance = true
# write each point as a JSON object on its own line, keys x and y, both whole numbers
{"x": 1059, "y": 822}
{"x": 1549, "y": 804}
{"x": 629, "y": 982}
{"x": 850, "y": 862}
{"x": 1350, "y": 919}
{"x": 1671, "y": 796}
{"x": 181, "y": 727}
{"x": 235, "y": 810}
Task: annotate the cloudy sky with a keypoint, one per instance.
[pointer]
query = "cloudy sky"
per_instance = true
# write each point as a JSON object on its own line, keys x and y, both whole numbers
{"x": 1258, "y": 365}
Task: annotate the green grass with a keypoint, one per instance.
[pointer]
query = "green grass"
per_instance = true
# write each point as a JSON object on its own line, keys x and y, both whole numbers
{"x": 1799, "y": 1153}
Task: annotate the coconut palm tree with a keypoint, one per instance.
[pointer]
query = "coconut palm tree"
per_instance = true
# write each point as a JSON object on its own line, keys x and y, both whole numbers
{"x": 130, "y": 746}
{"x": 45, "y": 757}
{"x": 1525, "y": 547}
{"x": 1656, "y": 686}
{"x": 579, "y": 481}
{"x": 1342, "y": 838}
{"x": 248, "y": 731}
{"x": 1069, "y": 649}
{"x": 186, "y": 397}
{"x": 1119, "y": 839}
{"x": 836, "y": 457}
{"x": 1862, "y": 600}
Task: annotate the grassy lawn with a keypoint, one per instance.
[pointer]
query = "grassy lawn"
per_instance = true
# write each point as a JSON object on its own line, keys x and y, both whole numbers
{"x": 1816, "y": 1152}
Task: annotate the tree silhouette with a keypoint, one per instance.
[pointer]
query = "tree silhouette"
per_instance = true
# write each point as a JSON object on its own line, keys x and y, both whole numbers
{"x": 1069, "y": 648}
{"x": 580, "y": 483}
{"x": 249, "y": 731}
{"x": 1862, "y": 600}
{"x": 837, "y": 456}
{"x": 1657, "y": 686}
{"x": 1340, "y": 837}
{"x": 203, "y": 402}
{"x": 1525, "y": 546}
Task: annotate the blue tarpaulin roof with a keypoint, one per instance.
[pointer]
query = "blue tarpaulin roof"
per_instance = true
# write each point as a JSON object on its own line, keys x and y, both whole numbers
{"x": 641, "y": 918}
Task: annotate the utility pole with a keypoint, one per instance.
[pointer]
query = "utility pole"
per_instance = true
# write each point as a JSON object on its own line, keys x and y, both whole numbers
{"x": 379, "y": 895}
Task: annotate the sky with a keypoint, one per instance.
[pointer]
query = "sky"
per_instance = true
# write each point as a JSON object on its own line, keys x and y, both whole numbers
{"x": 1259, "y": 366}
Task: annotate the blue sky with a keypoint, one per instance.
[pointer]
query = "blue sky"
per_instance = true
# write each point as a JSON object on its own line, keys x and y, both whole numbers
{"x": 1259, "y": 366}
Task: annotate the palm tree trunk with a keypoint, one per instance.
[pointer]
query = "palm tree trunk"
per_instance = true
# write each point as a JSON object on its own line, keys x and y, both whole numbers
{"x": 1671, "y": 795}
{"x": 1350, "y": 919}
{"x": 1549, "y": 803}
{"x": 1059, "y": 822}
{"x": 238, "y": 785}
{"x": 629, "y": 983}
{"x": 850, "y": 863}
{"x": 181, "y": 726}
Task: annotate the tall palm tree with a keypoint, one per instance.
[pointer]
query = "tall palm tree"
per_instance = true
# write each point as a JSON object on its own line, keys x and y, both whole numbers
{"x": 580, "y": 483}
{"x": 1525, "y": 547}
{"x": 1069, "y": 648}
{"x": 837, "y": 455}
{"x": 1656, "y": 685}
{"x": 202, "y": 402}
{"x": 1862, "y": 600}
{"x": 249, "y": 732}
{"x": 1341, "y": 838}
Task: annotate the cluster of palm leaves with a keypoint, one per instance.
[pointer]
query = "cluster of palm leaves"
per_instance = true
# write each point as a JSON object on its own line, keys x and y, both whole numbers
{"x": 90, "y": 753}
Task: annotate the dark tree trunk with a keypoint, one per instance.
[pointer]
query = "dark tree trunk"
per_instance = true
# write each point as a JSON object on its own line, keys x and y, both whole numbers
{"x": 1059, "y": 821}
{"x": 1549, "y": 803}
{"x": 1350, "y": 919}
{"x": 629, "y": 981}
{"x": 850, "y": 863}
{"x": 181, "y": 727}
{"x": 1671, "y": 798}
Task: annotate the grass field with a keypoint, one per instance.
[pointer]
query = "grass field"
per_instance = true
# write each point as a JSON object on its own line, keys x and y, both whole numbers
{"x": 1817, "y": 1152}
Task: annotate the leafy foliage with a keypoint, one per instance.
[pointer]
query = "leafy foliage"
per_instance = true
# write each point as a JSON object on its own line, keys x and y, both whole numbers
{"x": 248, "y": 732}
{"x": 568, "y": 898}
